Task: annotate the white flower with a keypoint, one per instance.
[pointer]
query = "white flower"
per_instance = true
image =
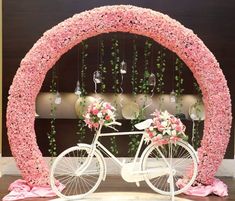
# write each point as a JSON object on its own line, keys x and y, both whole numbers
{"x": 165, "y": 115}
{"x": 100, "y": 115}
{"x": 87, "y": 116}
{"x": 151, "y": 128}
{"x": 166, "y": 131}
{"x": 164, "y": 123}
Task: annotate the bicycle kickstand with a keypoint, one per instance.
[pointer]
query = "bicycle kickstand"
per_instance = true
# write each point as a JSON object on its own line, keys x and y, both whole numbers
{"x": 172, "y": 189}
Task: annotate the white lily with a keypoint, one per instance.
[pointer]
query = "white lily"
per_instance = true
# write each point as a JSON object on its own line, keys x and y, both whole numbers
{"x": 165, "y": 115}
{"x": 164, "y": 123}
{"x": 166, "y": 131}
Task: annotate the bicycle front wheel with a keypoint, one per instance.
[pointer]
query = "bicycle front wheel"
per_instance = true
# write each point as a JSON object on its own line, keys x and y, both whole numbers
{"x": 177, "y": 158}
{"x": 65, "y": 171}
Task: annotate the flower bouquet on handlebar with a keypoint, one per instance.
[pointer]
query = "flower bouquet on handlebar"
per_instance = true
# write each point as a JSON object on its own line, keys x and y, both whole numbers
{"x": 100, "y": 113}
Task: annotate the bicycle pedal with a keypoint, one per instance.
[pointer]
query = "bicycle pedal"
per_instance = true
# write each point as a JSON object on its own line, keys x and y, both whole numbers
{"x": 137, "y": 184}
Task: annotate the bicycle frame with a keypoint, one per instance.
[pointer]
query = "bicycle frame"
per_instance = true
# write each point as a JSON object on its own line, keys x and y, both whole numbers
{"x": 114, "y": 158}
{"x": 95, "y": 144}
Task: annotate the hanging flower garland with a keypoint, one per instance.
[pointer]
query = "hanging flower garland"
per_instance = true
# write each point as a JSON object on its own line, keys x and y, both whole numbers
{"x": 161, "y": 28}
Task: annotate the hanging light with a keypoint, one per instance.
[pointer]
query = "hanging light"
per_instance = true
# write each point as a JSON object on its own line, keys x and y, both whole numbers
{"x": 97, "y": 77}
{"x": 77, "y": 90}
{"x": 58, "y": 98}
{"x": 152, "y": 80}
{"x": 123, "y": 67}
{"x": 172, "y": 97}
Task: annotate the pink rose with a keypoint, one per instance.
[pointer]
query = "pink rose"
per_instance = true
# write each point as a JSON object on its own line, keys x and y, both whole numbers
{"x": 95, "y": 111}
{"x": 96, "y": 125}
{"x": 107, "y": 118}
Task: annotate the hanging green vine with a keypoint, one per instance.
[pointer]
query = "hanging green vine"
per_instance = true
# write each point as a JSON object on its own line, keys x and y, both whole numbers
{"x": 134, "y": 71}
{"x": 198, "y": 90}
{"x": 196, "y": 133}
{"x": 178, "y": 84}
{"x": 134, "y": 139}
{"x": 81, "y": 125}
{"x": 115, "y": 63}
{"x": 144, "y": 87}
{"x": 161, "y": 67}
{"x": 102, "y": 68}
{"x": 196, "y": 130}
{"x": 52, "y": 133}
{"x": 83, "y": 68}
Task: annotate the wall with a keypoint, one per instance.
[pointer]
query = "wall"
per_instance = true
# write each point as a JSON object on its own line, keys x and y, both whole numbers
{"x": 25, "y": 21}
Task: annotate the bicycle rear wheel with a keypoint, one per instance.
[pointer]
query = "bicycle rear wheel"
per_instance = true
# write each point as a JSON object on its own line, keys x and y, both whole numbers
{"x": 76, "y": 186}
{"x": 182, "y": 160}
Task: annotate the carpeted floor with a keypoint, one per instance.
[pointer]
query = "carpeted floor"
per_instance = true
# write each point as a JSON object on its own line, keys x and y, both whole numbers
{"x": 117, "y": 185}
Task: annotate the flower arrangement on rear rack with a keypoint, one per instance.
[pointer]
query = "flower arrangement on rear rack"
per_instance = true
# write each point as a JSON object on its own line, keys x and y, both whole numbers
{"x": 99, "y": 113}
{"x": 165, "y": 128}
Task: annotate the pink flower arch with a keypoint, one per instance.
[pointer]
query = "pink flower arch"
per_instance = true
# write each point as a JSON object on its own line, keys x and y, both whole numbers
{"x": 123, "y": 18}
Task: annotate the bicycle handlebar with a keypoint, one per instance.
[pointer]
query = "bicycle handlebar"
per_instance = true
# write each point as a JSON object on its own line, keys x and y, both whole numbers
{"x": 114, "y": 123}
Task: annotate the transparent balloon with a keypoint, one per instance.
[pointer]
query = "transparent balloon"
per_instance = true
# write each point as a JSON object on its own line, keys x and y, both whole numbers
{"x": 97, "y": 77}
{"x": 58, "y": 98}
{"x": 123, "y": 67}
{"x": 152, "y": 80}
{"x": 77, "y": 90}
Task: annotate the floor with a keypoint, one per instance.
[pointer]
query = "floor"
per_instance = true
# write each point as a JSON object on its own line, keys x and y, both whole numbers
{"x": 124, "y": 191}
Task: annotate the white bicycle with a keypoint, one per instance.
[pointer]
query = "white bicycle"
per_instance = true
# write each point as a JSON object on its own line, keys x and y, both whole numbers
{"x": 80, "y": 169}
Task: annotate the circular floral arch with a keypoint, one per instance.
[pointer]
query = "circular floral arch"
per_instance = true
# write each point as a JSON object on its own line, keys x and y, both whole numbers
{"x": 161, "y": 28}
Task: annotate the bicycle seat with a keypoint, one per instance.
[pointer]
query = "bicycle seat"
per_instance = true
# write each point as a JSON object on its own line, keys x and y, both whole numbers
{"x": 144, "y": 124}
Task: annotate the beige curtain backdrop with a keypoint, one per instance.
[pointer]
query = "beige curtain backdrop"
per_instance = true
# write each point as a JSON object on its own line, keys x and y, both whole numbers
{"x": 0, "y": 77}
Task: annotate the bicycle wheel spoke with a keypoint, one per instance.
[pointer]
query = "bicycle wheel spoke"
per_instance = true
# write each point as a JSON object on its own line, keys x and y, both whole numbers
{"x": 178, "y": 157}
{"x": 65, "y": 167}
